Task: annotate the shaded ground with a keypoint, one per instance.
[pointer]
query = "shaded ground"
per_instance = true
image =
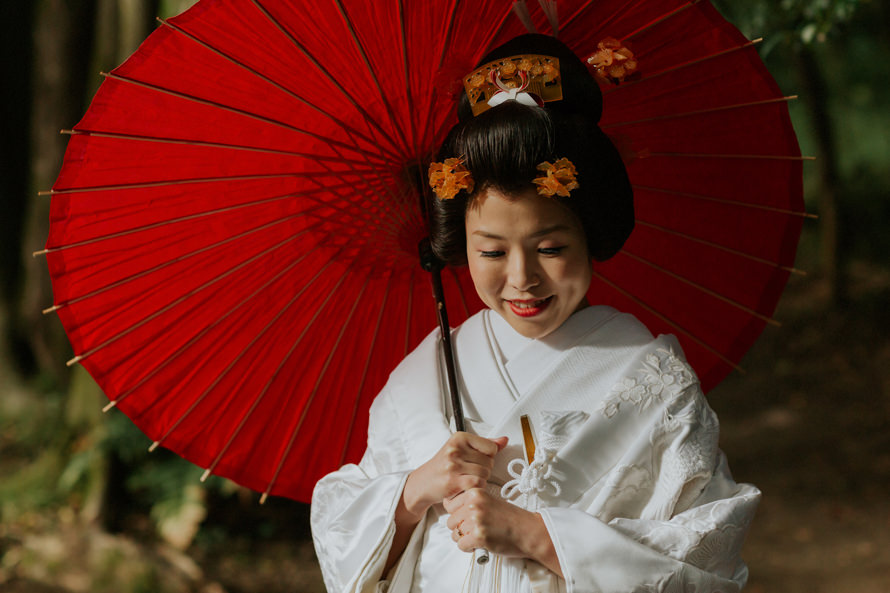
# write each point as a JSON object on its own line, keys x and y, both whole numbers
{"x": 807, "y": 424}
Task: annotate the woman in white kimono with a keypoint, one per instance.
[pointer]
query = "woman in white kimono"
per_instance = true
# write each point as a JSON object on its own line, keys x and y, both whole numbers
{"x": 590, "y": 460}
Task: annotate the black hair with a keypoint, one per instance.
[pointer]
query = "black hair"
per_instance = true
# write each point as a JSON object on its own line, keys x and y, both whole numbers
{"x": 503, "y": 146}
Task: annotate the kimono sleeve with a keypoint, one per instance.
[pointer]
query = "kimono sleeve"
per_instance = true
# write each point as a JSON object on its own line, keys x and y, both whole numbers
{"x": 353, "y": 508}
{"x": 679, "y": 530}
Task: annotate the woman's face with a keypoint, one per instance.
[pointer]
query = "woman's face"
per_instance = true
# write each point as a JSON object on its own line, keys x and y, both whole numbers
{"x": 528, "y": 259}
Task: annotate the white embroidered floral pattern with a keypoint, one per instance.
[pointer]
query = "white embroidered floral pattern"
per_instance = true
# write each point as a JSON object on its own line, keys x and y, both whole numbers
{"x": 662, "y": 377}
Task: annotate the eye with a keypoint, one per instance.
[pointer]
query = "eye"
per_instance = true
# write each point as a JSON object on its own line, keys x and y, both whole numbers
{"x": 550, "y": 250}
{"x": 491, "y": 254}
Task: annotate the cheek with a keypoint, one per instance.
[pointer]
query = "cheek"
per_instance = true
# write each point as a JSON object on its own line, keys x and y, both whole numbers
{"x": 486, "y": 278}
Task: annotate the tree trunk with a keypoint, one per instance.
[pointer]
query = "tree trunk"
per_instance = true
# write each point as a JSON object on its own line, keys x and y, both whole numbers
{"x": 62, "y": 32}
{"x": 815, "y": 96}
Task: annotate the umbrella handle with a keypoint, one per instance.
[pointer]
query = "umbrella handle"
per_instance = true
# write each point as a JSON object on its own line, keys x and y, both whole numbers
{"x": 432, "y": 264}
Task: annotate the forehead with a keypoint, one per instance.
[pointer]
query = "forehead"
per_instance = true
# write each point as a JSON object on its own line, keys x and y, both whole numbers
{"x": 524, "y": 212}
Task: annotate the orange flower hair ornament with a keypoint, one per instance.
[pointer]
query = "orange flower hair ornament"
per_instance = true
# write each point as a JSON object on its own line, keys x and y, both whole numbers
{"x": 612, "y": 61}
{"x": 449, "y": 178}
{"x": 558, "y": 180}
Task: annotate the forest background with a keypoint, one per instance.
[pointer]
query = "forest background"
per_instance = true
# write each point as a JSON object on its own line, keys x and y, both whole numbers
{"x": 83, "y": 507}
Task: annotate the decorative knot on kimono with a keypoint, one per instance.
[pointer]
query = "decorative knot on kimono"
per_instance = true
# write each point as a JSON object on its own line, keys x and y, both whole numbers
{"x": 533, "y": 482}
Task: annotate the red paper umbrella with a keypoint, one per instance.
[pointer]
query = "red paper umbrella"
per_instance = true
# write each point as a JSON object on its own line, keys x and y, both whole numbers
{"x": 234, "y": 232}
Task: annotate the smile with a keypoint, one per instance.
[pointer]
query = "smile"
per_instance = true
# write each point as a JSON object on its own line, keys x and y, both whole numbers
{"x": 529, "y": 308}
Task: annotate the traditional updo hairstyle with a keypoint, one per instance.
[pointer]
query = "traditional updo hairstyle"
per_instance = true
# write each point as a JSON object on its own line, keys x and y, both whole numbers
{"x": 503, "y": 146}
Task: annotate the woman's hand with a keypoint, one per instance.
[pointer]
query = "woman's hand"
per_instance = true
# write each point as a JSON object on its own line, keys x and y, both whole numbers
{"x": 480, "y": 520}
{"x": 464, "y": 462}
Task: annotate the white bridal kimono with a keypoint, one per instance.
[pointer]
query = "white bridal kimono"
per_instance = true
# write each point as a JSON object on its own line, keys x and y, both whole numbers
{"x": 626, "y": 472}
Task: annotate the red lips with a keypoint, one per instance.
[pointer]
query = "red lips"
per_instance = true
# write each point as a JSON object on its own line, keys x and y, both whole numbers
{"x": 529, "y": 307}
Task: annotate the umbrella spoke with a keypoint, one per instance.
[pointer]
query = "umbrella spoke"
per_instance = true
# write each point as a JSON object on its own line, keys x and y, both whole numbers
{"x": 350, "y": 211}
{"x": 235, "y": 361}
{"x": 215, "y": 105}
{"x": 170, "y": 221}
{"x": 281, "y": 364}
{"x": 737, "y": 252}
{"x": 204, "y": 332}
{"x": 632, "y": 83}
{"x": 343, "y": 125}
{"x": 179, "y": 300}
{"x": 702, "y": 155}
{"x": 736, "y": 203}
{"x": 602, "y": 24}
{"x": 380, "y": 204}
{"x": 312, "y": 395}
{"x": 406, "y": 77}
{"x": 367, "y": 358}
{"x": 669, "y": 322}
{"x": 202, "y": 143}
{"x": 75, "y": 190}
{"x": 431, "y": 104}
{"x": 698, "y": 112}
{"x": 702, "y": 289}
{"x": 368, "y": 118}
{"x": 661, "y": 19}
{"x": 463, "y": 298}
{"x": 408, "y": 315}
{"x": 364, "y": 55}
{"x": 207, "y": 248}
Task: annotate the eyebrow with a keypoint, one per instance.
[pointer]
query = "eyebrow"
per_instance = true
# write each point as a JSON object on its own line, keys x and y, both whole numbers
{"x": 539, "y": 233}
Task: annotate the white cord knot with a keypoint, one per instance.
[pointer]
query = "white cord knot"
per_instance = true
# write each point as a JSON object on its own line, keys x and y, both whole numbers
{"x": 531, "y": 480}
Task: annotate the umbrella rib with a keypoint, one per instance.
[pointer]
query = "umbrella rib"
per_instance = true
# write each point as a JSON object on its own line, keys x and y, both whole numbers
{"x": 162, "y": 223}
{"x": 180, "y": 258}
{"x": 737, "y": 252}
{"x": 699, "y": 112}
{"x": 302, "y": 49}
{"x": 724, "y": 201}
{"x": 496, "y": 31}
{"x": 463, "y": 298}
{"x": 768, "y": 157}
{"x": 231, "y": 365}
{"x": 149, "y": 184}
{"x": 364, "y": 56}
{"x": 405, "y": 76}
{"x": 366, "y": 368}
{"x": 389, "y": 228}
{"x": 268, "y": 384}
{"x": 662, "y": 18}
{"x": 312, "y": 395}
{"x": 379, "y": 203}
{"x": 222, "y": 107}
{"x": 343, "y": 125}
{"x": 204, "y": 332}
{"x": 446, "y": 39}
{"x": 181, "y": 299}
{"x": 600, "y": 24}
{"x": 674, "y": 325}
{"x": 688, "y": 64}
{"x": 205, "y": 144}
{"x": 703, "y": 289}
{"x": 408, "y": 316}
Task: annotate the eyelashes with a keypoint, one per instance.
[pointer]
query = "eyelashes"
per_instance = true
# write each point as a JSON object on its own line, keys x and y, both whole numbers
{"x": 494, "y": 254}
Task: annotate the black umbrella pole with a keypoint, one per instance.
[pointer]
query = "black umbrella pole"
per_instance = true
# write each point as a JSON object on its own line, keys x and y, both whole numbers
{"x": 432, "y": 264}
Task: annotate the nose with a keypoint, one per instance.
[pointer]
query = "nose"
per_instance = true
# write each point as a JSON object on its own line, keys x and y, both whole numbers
{"x": 522, "y": 273}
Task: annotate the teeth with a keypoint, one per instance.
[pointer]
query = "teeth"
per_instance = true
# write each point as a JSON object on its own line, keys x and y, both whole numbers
{"x": 527, "y": 305}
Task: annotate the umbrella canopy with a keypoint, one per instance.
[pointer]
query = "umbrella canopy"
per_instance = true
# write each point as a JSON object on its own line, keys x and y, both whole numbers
{"x": 234, "y": 231}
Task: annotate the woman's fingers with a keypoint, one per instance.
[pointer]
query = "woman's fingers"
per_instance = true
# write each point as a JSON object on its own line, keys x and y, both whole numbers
{"x": 464, "y": 462}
